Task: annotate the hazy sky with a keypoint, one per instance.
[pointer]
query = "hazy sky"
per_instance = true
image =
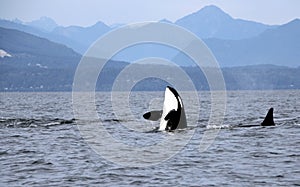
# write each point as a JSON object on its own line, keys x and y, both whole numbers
{"x": 88, "y": 12}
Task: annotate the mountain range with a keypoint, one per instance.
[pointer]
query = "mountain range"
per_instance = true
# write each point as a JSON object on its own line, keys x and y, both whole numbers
{"x": 212, "y": 22}
{"x": 40, "y": 55}
{"x": 234, "y": 42}
{"x": 279, "y": 46}
{"x": 26, "y": 66}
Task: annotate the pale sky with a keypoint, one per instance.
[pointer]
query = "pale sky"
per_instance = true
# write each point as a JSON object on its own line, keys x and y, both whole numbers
{"x": 88, "y": 12}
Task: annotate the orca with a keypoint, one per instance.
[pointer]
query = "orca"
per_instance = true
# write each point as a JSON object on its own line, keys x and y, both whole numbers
{"x": 268, "y": 120}
{"x": 172, "y": 116}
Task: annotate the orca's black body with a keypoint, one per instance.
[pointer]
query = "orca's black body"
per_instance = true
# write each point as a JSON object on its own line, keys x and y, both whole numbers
{"x": 268, "y": 120}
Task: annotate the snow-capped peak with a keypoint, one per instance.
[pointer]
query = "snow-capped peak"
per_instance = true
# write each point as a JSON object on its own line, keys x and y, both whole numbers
{"x": 4, "y": 53}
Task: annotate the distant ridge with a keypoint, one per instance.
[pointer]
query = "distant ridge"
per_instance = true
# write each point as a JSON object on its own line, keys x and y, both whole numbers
{"x": 17, "y": 42}
{"x": 84, "y": 36}
{"x": 234, "y": 42}
{"x": 44, "y": 23}
{"x": 208, "y": 22}
{"x": 37, "y": 64}
{"x": 41, "y": 33}
{"x": 28, "y": 50}
{"x": 212, "y": 22}
{"x": 278, "y": 46}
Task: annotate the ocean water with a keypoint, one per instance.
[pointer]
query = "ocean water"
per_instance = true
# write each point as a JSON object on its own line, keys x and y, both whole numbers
{"x": 44, "y": 144}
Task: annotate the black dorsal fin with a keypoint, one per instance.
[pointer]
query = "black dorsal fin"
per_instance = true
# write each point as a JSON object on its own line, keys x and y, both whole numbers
{"x": 268, "y": 121}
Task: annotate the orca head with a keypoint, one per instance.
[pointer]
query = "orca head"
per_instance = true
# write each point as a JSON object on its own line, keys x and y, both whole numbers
{"x": 173, "y": 116}
{"x": 269, "y": 120}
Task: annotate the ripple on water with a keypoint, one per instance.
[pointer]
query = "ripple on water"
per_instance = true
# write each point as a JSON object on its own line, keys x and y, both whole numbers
{"x": 42, "y": 145}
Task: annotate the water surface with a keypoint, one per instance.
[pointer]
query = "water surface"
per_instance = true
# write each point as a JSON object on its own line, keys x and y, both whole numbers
{"x": 41, "y": 144}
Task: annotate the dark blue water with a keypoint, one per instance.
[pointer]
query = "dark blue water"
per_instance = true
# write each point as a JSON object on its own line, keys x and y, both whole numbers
{"x": 41, "y": 144}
